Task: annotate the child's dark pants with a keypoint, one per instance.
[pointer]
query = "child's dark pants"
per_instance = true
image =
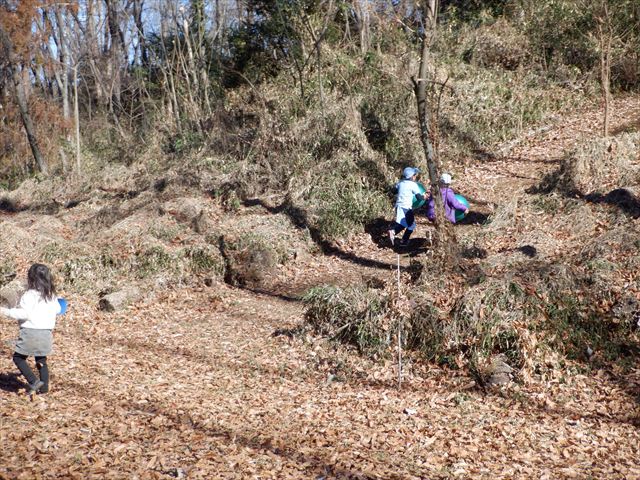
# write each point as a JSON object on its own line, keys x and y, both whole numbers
{"x": 41, "y": 362}
{"x": 410, "y": 218}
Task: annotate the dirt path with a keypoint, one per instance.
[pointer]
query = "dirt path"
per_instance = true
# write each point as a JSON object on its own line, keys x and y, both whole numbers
{"x": 195, "y": 385}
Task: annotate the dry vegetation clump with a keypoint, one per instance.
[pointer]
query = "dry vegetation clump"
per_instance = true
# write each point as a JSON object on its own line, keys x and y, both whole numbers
{"x": 603, "y": 165}
{"x": 337, "y": 181}
{"x": 486, "y": 107}
{"x": 344, "y": 203}
{"x": 500, "y": 44}
{"x": 422, "y": 325}
{"x": 598, "y": 167}
{"x": 253, "y": 246}
{"x": 33, "y": 194}
{"x": 152, "y": 264}
{"x": 342, "y": 189}
{"x": 356, "y": 315}
{"x": 489, "y": 319}
{"x": 90, "y": 274}
{"x": 23, "y": 237}
{"x": 183, "y": 209}
{"x": 541, "y": 309}
{"x": 249, "y": 260}
{"x": 279, "y": 230}
{"x": 610, "y": 262}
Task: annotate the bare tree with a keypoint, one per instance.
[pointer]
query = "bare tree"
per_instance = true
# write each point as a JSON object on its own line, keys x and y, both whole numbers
{"x": 116, "y": 49}
{"x": 604, "y": 29}
{"x": 21, "y": 99}
{"x": 138, "y": 6}
{"x": 61, "y": 43}
{"x": 361, "y": 13}
{"x": 445, "y": 231}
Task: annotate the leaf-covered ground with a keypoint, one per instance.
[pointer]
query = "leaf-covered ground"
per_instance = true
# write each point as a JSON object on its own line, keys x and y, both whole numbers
{"x": 196, "y": 385}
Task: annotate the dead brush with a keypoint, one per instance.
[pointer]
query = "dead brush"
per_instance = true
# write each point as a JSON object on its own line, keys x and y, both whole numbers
{"x": 491, "y": 319}
{"x": 249, "y": 259}
{"x": 603, "y": 164}
{"x": 374, "y": 319}
{"x": 504, "y": 215}
{"x": 356, "y": 315}
{"x": 500, "y": 44}
{"x": 595, "y": 167}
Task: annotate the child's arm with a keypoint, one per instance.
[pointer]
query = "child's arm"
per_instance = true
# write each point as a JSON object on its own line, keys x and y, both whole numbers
{"x": 418, "y": 193}
{"x": 20, "y": 312}
{"x": 15, "y": 313}
{"x": 453, "y": 201}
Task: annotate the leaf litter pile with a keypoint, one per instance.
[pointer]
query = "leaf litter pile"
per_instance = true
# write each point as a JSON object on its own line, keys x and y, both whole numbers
{"x": 195, "y": 384}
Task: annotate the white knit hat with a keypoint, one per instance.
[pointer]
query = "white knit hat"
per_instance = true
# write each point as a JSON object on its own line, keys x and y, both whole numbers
{"x": 445, "y": 178}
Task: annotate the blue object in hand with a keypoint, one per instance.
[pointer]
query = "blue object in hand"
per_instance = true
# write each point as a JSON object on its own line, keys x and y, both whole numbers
{"x": 460, "y": 213}
{"x": 63, "y": 306}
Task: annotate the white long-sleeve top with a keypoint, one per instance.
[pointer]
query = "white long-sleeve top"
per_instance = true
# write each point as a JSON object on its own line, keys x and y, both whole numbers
{"x": 33, "y": 311}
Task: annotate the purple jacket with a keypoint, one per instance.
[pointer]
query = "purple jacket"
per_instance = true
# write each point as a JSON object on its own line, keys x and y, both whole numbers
{"x": 451, "y": 204}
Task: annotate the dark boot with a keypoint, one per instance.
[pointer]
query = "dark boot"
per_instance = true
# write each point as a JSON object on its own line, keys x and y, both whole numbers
{"x": 405, "y": 238}
{"x": 43, "y": 370}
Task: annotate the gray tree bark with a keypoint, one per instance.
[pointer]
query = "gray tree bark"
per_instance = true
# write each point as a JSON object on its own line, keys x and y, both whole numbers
{"x": 445, "y": 234}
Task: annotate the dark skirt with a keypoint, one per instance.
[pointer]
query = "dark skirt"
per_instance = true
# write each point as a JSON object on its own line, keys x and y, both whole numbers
{"x": 34, "y": 342}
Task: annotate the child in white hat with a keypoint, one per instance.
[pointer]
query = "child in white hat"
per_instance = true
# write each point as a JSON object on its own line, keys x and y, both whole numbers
{"x": 451, "y": 203}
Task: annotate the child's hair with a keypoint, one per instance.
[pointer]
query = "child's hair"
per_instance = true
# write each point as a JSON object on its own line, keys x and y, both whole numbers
{"x": 39, "y": 278}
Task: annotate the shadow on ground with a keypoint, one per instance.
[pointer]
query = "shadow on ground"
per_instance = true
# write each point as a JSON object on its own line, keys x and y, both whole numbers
{"x": 620, "y": 198}
{"x": 474, "y": 218}
{"x": 10, "y": 382}
{"x": 299, "y": 218}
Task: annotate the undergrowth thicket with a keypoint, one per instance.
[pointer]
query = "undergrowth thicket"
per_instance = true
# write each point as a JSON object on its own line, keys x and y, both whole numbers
{"x": 325, "y": 148}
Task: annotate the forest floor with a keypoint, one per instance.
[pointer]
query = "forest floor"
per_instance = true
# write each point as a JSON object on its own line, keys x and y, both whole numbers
{"x": 196, "y": 385}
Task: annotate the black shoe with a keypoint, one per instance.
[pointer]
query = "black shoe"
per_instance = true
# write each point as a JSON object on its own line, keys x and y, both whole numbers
{"x": 35, "y": 387}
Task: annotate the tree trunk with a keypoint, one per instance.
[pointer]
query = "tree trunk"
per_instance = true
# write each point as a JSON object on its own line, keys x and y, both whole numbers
{"x": 26, "y": 120}
{"x": 137, "y": 18}
{"x": 76, "y": 116}
{"x": 605, "y": 38}
{"x": 21, "y": 100}
{"x": 64, "y": 63}
{"x": 363, "y": 21}
{"x": 445, "y": 234}
{"x": 117, "y": 49}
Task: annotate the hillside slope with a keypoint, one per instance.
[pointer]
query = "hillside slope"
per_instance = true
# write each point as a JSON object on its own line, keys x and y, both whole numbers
{"x": 201, "y": 378}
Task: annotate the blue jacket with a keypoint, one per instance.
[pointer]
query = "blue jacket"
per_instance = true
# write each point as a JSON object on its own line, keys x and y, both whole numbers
{"x": 407, "y": 191}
